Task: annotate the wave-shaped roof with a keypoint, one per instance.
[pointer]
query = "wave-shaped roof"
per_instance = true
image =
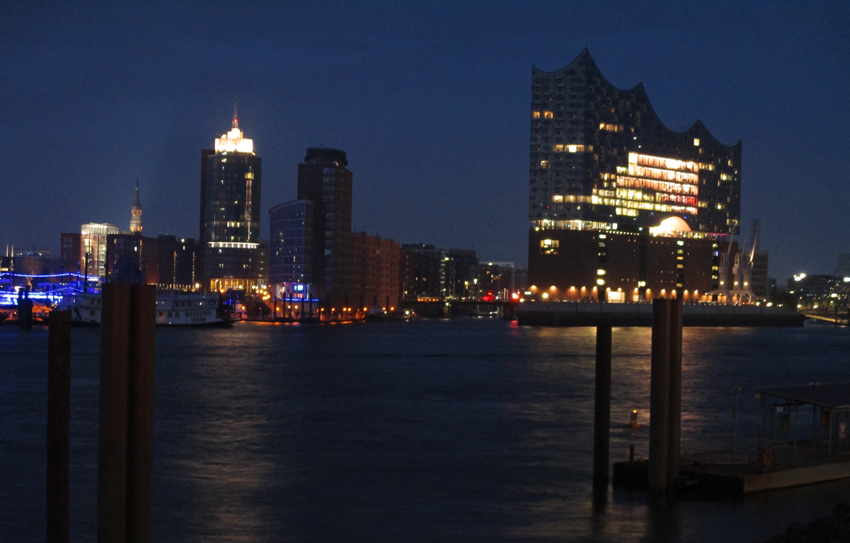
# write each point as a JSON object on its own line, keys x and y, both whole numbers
{"x": 585, "y": 64}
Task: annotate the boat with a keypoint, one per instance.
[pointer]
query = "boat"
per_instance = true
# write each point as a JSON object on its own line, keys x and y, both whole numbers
{"x": 172, "y": 309}
{"x": 377, "y": 314}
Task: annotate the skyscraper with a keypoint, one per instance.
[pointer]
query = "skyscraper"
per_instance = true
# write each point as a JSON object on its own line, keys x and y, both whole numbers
{"x": 605, "y": 173}
{"x": 313, "y": 251}
{"x": 324, "y": 179}
{"x": 136, "y": 213}
{"x": 230, "y": 212}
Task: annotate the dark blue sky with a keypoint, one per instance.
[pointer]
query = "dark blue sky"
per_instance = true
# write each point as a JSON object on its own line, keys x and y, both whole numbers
{"x": 430, "y": 100}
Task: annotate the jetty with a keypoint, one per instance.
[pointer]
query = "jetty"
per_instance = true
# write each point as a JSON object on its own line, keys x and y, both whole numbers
{"x": 803, "y": 439}
{"x": 582, "y": 313}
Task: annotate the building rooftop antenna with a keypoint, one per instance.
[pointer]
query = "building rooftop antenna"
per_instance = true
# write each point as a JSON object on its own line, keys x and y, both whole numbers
{"x": 235, "y": 119}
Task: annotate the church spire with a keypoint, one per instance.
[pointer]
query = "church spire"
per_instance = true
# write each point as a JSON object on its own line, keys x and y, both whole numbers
{"x": 136, "y": 202}
{"x": 136, "y": 212}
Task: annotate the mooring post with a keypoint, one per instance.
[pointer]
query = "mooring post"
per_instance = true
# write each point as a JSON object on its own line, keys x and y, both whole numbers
{"x": 659, "y": 398}
{"x": 125, "y": 459}
{"x": 675, "y": 416}
{"x": 602, "y": 410}
{"x": 140, "y": 409}
{"x": 112, "y": 447}
{"x": 58, "y": 425}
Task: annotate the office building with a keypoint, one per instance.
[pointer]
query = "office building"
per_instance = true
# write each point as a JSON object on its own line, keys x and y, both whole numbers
{"x": 497, "y": 279}
{"x": 86, "y": 251}
{"x": 314, "y": 253}
{"x": 461, "y": 274}
{"x": 178, "y": 263}
{"x": 422, "y": 272}
{"x": 324, "y": 180}
{"x": 133, "y": 259}
{"x": 230, "y": 209}
{"x": 71, "y": 252}
{"x": 618, "y": 202}
{"x": 291, "y": 243}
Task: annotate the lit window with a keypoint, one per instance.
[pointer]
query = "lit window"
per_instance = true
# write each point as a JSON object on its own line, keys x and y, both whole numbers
{"x": 544, "y": 164}
{"x": 696, "y": 142}
{"x": 557, "y": 198}
{"x": 548, "y": 114}
{"x": 535, "y": 114}
{"x": 549, "y": 246}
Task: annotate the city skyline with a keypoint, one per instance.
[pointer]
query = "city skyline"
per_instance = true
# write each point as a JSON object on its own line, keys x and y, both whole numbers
{"x": 429, "y": 102}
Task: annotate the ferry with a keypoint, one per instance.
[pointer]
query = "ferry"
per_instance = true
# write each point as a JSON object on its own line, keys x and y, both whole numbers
{"x": 172, "y": 309}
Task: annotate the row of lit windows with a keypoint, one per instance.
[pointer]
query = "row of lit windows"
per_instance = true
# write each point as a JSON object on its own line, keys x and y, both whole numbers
{"x": 660, "y": 186}
{"x": 560, "y": 148}
{"x": 663, "y": 163}
{"x": 646, "y": 206}
{"x": 666, "y": 175}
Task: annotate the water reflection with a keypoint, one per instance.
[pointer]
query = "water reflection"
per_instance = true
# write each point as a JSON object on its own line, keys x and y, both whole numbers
{"x": 217, "y": 438}
{"x": 430, "y": 430}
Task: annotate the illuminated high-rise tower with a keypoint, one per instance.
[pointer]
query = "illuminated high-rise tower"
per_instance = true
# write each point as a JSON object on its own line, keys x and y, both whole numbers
{"x": 230, "y": 213}
{"x": 136, "y": 213}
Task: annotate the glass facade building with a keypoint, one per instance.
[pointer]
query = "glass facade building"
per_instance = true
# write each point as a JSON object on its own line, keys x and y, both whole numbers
{"x": 291, "y": 243}
{"x": 621, "y": 207}
{"x": 93, "y": 246}
{"x": 602, "y": 159}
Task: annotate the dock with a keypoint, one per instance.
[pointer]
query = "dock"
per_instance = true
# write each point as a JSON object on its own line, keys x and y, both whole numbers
{"x": 787, "y": 454}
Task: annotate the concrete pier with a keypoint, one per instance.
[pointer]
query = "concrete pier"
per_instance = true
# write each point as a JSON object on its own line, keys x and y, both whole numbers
{"x": 640, "y": 314}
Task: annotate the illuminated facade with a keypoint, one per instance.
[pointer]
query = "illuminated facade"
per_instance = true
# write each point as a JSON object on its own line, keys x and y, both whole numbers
{"x": 230, "y": 209}
{"x": 603, "y": 162}
{"x": 600, "y": 155}
{"x": 136, "y": 213}
{"x": 93, "y": 247}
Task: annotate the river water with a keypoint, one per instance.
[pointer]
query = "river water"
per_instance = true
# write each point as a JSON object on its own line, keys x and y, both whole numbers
{"x": 431, "y": 430}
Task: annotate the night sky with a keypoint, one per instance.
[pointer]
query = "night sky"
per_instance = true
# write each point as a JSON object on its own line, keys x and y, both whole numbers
{"x": 430, "y": 100}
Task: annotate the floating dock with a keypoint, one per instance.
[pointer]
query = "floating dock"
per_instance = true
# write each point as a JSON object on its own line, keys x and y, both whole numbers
{"x": 788, "y": 453}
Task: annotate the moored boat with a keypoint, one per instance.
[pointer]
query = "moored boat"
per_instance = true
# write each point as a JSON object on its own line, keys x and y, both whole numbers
{"x": 172, "y": 309}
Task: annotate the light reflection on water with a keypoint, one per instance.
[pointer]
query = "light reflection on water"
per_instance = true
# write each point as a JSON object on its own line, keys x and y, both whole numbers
{"x": 429, "y": 430}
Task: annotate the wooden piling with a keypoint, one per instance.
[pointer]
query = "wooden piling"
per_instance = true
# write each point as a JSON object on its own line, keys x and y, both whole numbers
{"x": 58, "y": 425}
{"x": 112, "y": 446}
{"x": 140, "y": 409}
{"x": 125, "y": 456}
{"x": 675, "y": 394}
{"x": 659, "y": 402}
{"x": 602, "y": 407}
